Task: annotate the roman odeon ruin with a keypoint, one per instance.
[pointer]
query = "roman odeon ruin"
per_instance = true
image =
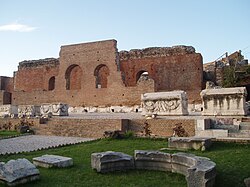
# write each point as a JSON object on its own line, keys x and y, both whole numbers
{"x": 96, "y": 78}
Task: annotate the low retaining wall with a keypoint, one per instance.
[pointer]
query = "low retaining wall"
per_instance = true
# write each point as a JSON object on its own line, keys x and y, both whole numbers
{"x": 95, "y": 128}
{"x": 161, "y": 127}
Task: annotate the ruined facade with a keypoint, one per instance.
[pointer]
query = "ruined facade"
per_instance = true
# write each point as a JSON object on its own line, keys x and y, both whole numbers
{"x": 96, "y": 74}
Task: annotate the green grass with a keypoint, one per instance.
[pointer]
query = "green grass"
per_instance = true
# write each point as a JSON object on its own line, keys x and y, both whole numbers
{"x": 233, "y": 165}
{"x": 8, "y": 133}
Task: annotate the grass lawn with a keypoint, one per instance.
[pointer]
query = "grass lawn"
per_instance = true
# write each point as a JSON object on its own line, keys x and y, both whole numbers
{"x": 8, "y": 133}
{"x": 233, "y": 165}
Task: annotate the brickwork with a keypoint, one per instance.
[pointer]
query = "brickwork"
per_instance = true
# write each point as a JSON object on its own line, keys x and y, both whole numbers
{"x": 95, "y": 74}
{"x": 95, "y": 128}
{"x": 35, "y": 75}
{"x": 161, "y": 127}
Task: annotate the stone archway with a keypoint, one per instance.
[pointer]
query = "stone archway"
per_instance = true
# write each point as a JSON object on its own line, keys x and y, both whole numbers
{"x": 73, "y": 76}
{"x": 101, "y": 73}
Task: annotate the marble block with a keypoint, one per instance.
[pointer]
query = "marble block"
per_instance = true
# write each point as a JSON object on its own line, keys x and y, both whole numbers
{"x": 48, "y": 161}
{"x": 164, "y": 103}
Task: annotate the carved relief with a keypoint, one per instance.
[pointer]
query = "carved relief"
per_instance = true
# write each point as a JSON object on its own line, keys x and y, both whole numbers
{"x": 8, "y": 110}
{"x": 58, "y": 109}
{"x": 165, "y": 103}
{"x": 28, "y": 111}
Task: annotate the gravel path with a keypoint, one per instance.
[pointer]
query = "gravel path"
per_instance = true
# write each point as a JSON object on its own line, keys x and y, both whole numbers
{"x": 36, "y": 142}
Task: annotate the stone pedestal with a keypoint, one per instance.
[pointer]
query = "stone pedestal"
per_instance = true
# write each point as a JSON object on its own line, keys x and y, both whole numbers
{"x": 224, "y": 101}
{"x": 8, "y": 110}
{"x": 164, "y": 103}
{"x": 56, "y": 109}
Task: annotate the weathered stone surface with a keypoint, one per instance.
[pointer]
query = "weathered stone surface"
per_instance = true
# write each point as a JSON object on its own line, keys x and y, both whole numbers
{"x": 152, "y": 160}
{"x": 8, "y": 110}
{"x": 202, "y": 124}
{"x": 28, "y": 111}
{"x": 164, "y": 103}
{"x": 56, "y": 109}
{"x": 213, "y": 133}
{"x": 199, "y": 171}
{"x": 36, "y": 63}
{"x": 48, "y": 161}
{"x": 111, "y": 161}
{"x": 224, "y": 101}
{"x": 197, "y": 143}
{"x": 18, "y": 171}
{"x": 156, "y": 52}
{"x": 248, "y": 107}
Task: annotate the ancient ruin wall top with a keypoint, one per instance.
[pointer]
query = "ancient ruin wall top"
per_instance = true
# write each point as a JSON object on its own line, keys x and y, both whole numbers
{"x": 156, "y": 52}
{"x": 36, "y": 63}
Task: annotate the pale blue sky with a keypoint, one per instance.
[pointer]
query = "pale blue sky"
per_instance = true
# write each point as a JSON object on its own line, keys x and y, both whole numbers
{"x": 32, "y": 29}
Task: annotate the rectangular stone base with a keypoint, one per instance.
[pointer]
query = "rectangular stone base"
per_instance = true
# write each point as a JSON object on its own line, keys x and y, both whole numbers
{"x": 48, "y": 161}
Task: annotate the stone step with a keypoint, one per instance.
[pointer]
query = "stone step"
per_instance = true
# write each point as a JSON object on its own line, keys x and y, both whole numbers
{"x": 214, "y": 133}
{"x": 241, "y": 134}
{"x": 244, "y": 126}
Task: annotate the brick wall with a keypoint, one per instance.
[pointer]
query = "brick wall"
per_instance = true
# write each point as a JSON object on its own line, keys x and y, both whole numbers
{"x": 35, "y": 75}
{"x": 82, "y": 66}
{"x": 161, "y": 127}
{"x": 94, "y": 128}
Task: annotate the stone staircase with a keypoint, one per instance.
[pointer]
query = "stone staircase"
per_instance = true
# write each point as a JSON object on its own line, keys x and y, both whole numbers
{"x": 243, "y": 131}
{"x": 223, "y": 127}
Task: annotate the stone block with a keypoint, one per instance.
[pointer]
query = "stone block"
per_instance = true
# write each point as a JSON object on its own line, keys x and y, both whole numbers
{"x": 196, "y": 143}
{"x": 224, "y": 101}
{"x": 8, "y": 110}
{"x": 48, "y": 161}
{"x": 164, "y": 103}
{"x": 19, "y": 171}
{"x": 199, "y": 171}
{"x": 111, "y": 161}
{"x": 202, "y": 124}
{"x": 152, "y": 160}
{"x": 28, "y": 111}
{"x": 214, "y": 133}
{"x": 56, "y": 109}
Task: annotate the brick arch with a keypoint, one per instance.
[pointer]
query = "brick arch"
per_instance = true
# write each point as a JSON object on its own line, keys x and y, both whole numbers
{"x": 141, "y": 73}
{"x": 51, "y": 85}
{"x": 101, "y": 73}
{"x": 73, "y": 76}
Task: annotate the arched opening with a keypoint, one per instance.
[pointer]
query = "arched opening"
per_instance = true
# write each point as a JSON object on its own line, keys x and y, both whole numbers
{"x": 101, "y": 74}
{"x": 142, "y": 76}
{"x": 52, "y": 83}
{"x": 73, "y": 77}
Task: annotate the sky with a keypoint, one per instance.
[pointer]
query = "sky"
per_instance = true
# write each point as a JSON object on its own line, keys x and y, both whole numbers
{"x": 31, "y": 30}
